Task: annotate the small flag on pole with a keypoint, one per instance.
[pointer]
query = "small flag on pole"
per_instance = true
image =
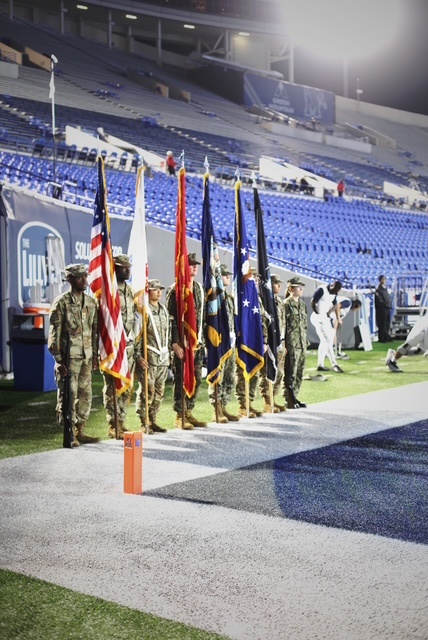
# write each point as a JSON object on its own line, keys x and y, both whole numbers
{"x": 52, "y": 87}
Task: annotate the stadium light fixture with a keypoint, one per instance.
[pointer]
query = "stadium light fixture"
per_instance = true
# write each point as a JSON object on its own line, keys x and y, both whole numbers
{"x": 189, "y": 26}
{"x": 334, "y": 29}
{"x": 82, "y": 7}
{"x": 130, "y": 16}
{"x": 245, "y": 34}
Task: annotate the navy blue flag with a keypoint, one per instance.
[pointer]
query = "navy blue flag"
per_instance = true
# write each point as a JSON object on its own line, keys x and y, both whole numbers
{"x": 266, "y": 294}
{"x": 217, "y": 330}
{"x": 248, "y": 323}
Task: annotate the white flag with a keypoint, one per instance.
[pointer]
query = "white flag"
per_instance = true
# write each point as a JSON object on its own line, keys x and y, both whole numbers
{"x": 52, "y": 87}
{"x": 137, "y": 249}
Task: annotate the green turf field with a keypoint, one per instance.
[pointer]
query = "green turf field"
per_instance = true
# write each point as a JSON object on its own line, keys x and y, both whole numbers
{"x": 35, "y": 610}
{"x": 27, "y": 419}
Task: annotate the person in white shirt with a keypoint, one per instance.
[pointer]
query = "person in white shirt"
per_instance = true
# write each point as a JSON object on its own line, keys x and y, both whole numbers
{"x": 343, "y": 306}
{"x": 323, "y": 302}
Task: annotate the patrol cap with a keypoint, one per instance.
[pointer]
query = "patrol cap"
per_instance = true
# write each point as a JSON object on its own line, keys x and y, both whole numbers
{"x": 155, "y": 284}
{"x": 76, "y": 270}
{"x": 122, "y": 261}
{"x": 225, "y": 271}
{"x": 191, "y": 257}
{"x": 295, "y": 282}
{"x": 275, "y": 279}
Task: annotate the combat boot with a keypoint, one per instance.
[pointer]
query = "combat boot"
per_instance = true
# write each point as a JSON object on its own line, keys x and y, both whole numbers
{"x": 146, "y": 428}
{"x": 232, "y": 417}
{"x": 194, "y": 421}
{"x": 281, "y": 407}
{"x": 290, "y": 399}
{"x": 82, "y": 438}
{"x": 111, "y": 432}
{"x": 267, "y": 408}
{"x": 244, "y": 414}
{"x": 256, "y": 411}
{"x": 222, "y": 419}
{"x": 178, "y": 423}
{"x": 155, "y": 428}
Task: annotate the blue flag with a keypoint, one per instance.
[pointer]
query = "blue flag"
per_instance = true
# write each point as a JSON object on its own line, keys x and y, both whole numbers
{"x": 248, "y": 323}
{"x": 266, "y": 294}
{"x": 217, "y": 329}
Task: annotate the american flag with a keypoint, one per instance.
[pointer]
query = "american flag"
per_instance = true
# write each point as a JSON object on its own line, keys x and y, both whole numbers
{"x": 218, "y": 333}
{"x": 248, "y": 324}
{"x": 186, "y": 315}
{"x": 102, "y": 280}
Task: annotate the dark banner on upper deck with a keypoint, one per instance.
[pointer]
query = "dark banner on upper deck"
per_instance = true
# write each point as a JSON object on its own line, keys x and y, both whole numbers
{"x": 295, "y": 101}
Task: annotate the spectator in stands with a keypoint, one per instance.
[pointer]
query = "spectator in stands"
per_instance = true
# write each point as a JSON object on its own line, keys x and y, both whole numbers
{"x": 170, "y": 163}
{"x": 305, "y": 187}
{"x": 416, "y": 343}
{"x": 341, "y": 188}
{"x": 383, "y": 306}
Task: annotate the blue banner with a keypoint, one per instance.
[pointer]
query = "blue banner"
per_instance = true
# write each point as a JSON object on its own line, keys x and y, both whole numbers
{"x": 296, "y": 101}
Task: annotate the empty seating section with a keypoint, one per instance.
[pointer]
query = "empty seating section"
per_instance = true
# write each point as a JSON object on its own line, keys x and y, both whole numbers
{"x": 354, "y": 241}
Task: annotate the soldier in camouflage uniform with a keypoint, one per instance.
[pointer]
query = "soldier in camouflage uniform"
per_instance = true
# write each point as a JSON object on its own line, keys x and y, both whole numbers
{"x": 264, "y": 383}
{"x": 158, "y": 349}
{"x": 122, "y": 266}
{"x": 228, "y": 375}
{"x": 198, "y": 293}
{"x": 73, "y": 338}
{"x": 296, "y": 328}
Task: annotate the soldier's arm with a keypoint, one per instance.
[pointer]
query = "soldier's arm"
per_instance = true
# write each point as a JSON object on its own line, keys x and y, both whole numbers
{"x": 171, "y": 301}
{"x": 56, "y": 320}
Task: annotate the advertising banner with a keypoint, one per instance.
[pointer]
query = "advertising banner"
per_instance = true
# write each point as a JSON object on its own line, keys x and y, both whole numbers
{"x": 295, "y": 101}
{"x": 27, "y": 222}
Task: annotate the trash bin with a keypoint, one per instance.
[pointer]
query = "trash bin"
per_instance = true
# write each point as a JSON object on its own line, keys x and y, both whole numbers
{"x": 33, "y": 365}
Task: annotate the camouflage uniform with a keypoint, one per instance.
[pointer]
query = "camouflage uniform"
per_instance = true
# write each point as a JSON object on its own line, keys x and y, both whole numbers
{"x": 198, "y": 294}
{"x": 128, "y": 309}
{"x": 75, "y": 321}
{"x": 228, "y": 376}
{"x": 296, "y": 318}
{"x": 264, "y": 383}
{"x": 158, "y": 349}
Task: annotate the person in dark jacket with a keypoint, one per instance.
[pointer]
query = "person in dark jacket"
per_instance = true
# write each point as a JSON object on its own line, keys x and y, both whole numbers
{"x": 383, "y": 307}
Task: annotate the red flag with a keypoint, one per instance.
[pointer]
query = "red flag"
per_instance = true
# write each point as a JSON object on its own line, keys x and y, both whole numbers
{"x": 186, "y": 316}
{"x": 102, "y": 280}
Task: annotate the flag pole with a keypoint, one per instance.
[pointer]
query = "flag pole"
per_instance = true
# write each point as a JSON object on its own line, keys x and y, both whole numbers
{"x": 116, "y": 426}
{"x": 183, "y": 399}
{"x": 146, "y": 373}
{"x": 54, "y": 61}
